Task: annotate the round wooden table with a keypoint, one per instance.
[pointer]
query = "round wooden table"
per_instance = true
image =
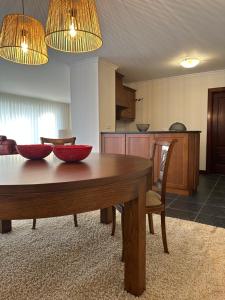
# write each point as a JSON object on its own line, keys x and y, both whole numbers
{"x": 49, "y": 188}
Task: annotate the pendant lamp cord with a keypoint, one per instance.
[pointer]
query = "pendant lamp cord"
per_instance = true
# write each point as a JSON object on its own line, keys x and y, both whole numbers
{"x": 23, "y": 6}
{"x": 23, "y": 33}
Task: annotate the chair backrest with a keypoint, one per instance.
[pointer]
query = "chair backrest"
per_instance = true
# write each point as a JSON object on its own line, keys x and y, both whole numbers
{"x": 152, "y": 157}
{"x": 55, "y": 142}
{"x": 163, "y": 150}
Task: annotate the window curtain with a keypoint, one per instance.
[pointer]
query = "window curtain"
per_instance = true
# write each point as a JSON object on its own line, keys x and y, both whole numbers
{"x": 26, "y": 119}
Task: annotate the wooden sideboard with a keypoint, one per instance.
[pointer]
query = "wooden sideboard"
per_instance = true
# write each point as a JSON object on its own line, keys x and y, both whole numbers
{"x": 183, "y": 176}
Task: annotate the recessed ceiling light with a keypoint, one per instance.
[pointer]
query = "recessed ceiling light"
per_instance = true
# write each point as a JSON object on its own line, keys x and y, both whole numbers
{"x": 189, "y": 63}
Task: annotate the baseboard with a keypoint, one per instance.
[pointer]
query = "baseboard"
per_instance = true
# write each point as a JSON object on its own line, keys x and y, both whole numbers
{"x": 202, "y": 172}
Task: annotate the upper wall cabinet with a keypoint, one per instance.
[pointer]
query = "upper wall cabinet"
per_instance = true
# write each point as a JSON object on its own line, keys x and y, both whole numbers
{"x": 120, "y": 93}
{"x": 129, "y": 112}
{"x": 125, "y": 100}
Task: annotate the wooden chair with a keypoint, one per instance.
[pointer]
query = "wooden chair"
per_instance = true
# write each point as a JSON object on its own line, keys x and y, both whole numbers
{"x": 55, "y": 142}
{"x": 155, "y": 198}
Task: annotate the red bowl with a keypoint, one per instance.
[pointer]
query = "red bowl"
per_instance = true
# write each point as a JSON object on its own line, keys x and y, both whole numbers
{"x": 37, "y": 151}
{"x": 72, "y": 153}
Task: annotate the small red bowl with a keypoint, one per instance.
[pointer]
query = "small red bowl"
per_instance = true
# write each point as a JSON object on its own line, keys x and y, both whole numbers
{"x": 72, "y": 153}
{"x": 37, "y": 151}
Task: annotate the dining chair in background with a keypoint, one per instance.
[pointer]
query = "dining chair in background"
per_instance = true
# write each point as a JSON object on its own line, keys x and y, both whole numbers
{"x": 55, "y": 142}
{"x": 155, "y": 198}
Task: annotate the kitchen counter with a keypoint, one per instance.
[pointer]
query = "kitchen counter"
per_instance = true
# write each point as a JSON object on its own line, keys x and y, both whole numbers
{"x": 151, "y": 132}
{"x": 183, "y": 173}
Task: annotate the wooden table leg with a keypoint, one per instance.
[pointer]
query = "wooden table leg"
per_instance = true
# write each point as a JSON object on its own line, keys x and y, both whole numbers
{"x": 135, "y": 243}
{"x": 5, "y": 226}
{"x": 106, "y": 215}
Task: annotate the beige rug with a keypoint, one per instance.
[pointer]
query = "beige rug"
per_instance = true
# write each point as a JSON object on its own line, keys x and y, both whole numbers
{"x": 58, "y": 261}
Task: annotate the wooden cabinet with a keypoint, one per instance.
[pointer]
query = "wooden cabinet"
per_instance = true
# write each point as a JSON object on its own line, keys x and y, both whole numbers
{"x": 183, "y": 173}
{"x": 138, "y": 145}
{"x": 121, "y": 99}
{"x": 128, "y": 113}
{"x": 113, "y": 143}
{"x": 125, "y": 100}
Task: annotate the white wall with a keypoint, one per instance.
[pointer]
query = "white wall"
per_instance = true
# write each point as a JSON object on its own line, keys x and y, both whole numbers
{"x": 107, "y": 96}
{"x": 92, "y": 84}
{"x": 85, "y": 102}
{"x": 50, "y": 81}
{"x": 179, "y": 98}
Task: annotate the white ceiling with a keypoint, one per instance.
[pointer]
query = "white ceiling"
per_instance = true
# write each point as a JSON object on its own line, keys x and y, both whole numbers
{"x": 148, "y": 38}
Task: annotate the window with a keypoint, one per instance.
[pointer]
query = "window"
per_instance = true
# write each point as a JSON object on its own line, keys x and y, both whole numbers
{"x": 26, "y": 119}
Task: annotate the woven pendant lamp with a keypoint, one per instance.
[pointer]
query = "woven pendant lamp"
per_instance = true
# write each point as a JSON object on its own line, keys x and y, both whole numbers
{"x": 22, "y": 40}
{"x": 73, "y": 26}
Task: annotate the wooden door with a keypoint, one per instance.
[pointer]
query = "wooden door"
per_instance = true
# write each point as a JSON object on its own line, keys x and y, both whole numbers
{"x": 216, "y": 131}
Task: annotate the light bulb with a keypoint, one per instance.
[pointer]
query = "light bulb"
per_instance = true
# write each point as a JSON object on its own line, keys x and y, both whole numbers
{"x": 72, "y": 31}
{"x": 190, "y": 62}
{"x": 24, "y": 46}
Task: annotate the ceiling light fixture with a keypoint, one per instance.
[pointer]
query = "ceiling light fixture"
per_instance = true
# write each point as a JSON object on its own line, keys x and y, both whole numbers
{"x": 73, "y": 26}
{"x": 189, "y": 63}
{"x": 22, "y": 40}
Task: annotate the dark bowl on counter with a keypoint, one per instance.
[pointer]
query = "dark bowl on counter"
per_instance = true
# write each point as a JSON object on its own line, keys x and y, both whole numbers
{"x": 142, "y": 127}
{"x": 177, "y": 126}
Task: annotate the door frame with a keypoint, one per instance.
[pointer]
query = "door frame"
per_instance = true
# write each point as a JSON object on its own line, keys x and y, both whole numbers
{"x": 211, "y": 93}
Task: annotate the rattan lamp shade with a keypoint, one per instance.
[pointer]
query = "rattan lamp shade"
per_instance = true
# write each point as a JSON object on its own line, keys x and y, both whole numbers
{"x": 18, "y": 29}
{"x": 82, "y": 16}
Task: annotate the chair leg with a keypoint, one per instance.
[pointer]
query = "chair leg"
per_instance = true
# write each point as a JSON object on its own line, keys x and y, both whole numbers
{"x": 34, "y": 224}
{"x": 122, "y": 227}
{"x": 75, "y": 220}
{"x": 113, "y": 220}
{"x": 163, "y": 226}
{"x": 150, "y": 223}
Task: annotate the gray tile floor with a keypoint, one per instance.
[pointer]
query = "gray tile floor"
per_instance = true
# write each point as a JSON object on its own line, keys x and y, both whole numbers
{"x": 206, "y": 206}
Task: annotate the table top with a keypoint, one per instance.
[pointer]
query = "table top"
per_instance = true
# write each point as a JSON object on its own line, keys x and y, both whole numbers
{"x": 18, "y": 174}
